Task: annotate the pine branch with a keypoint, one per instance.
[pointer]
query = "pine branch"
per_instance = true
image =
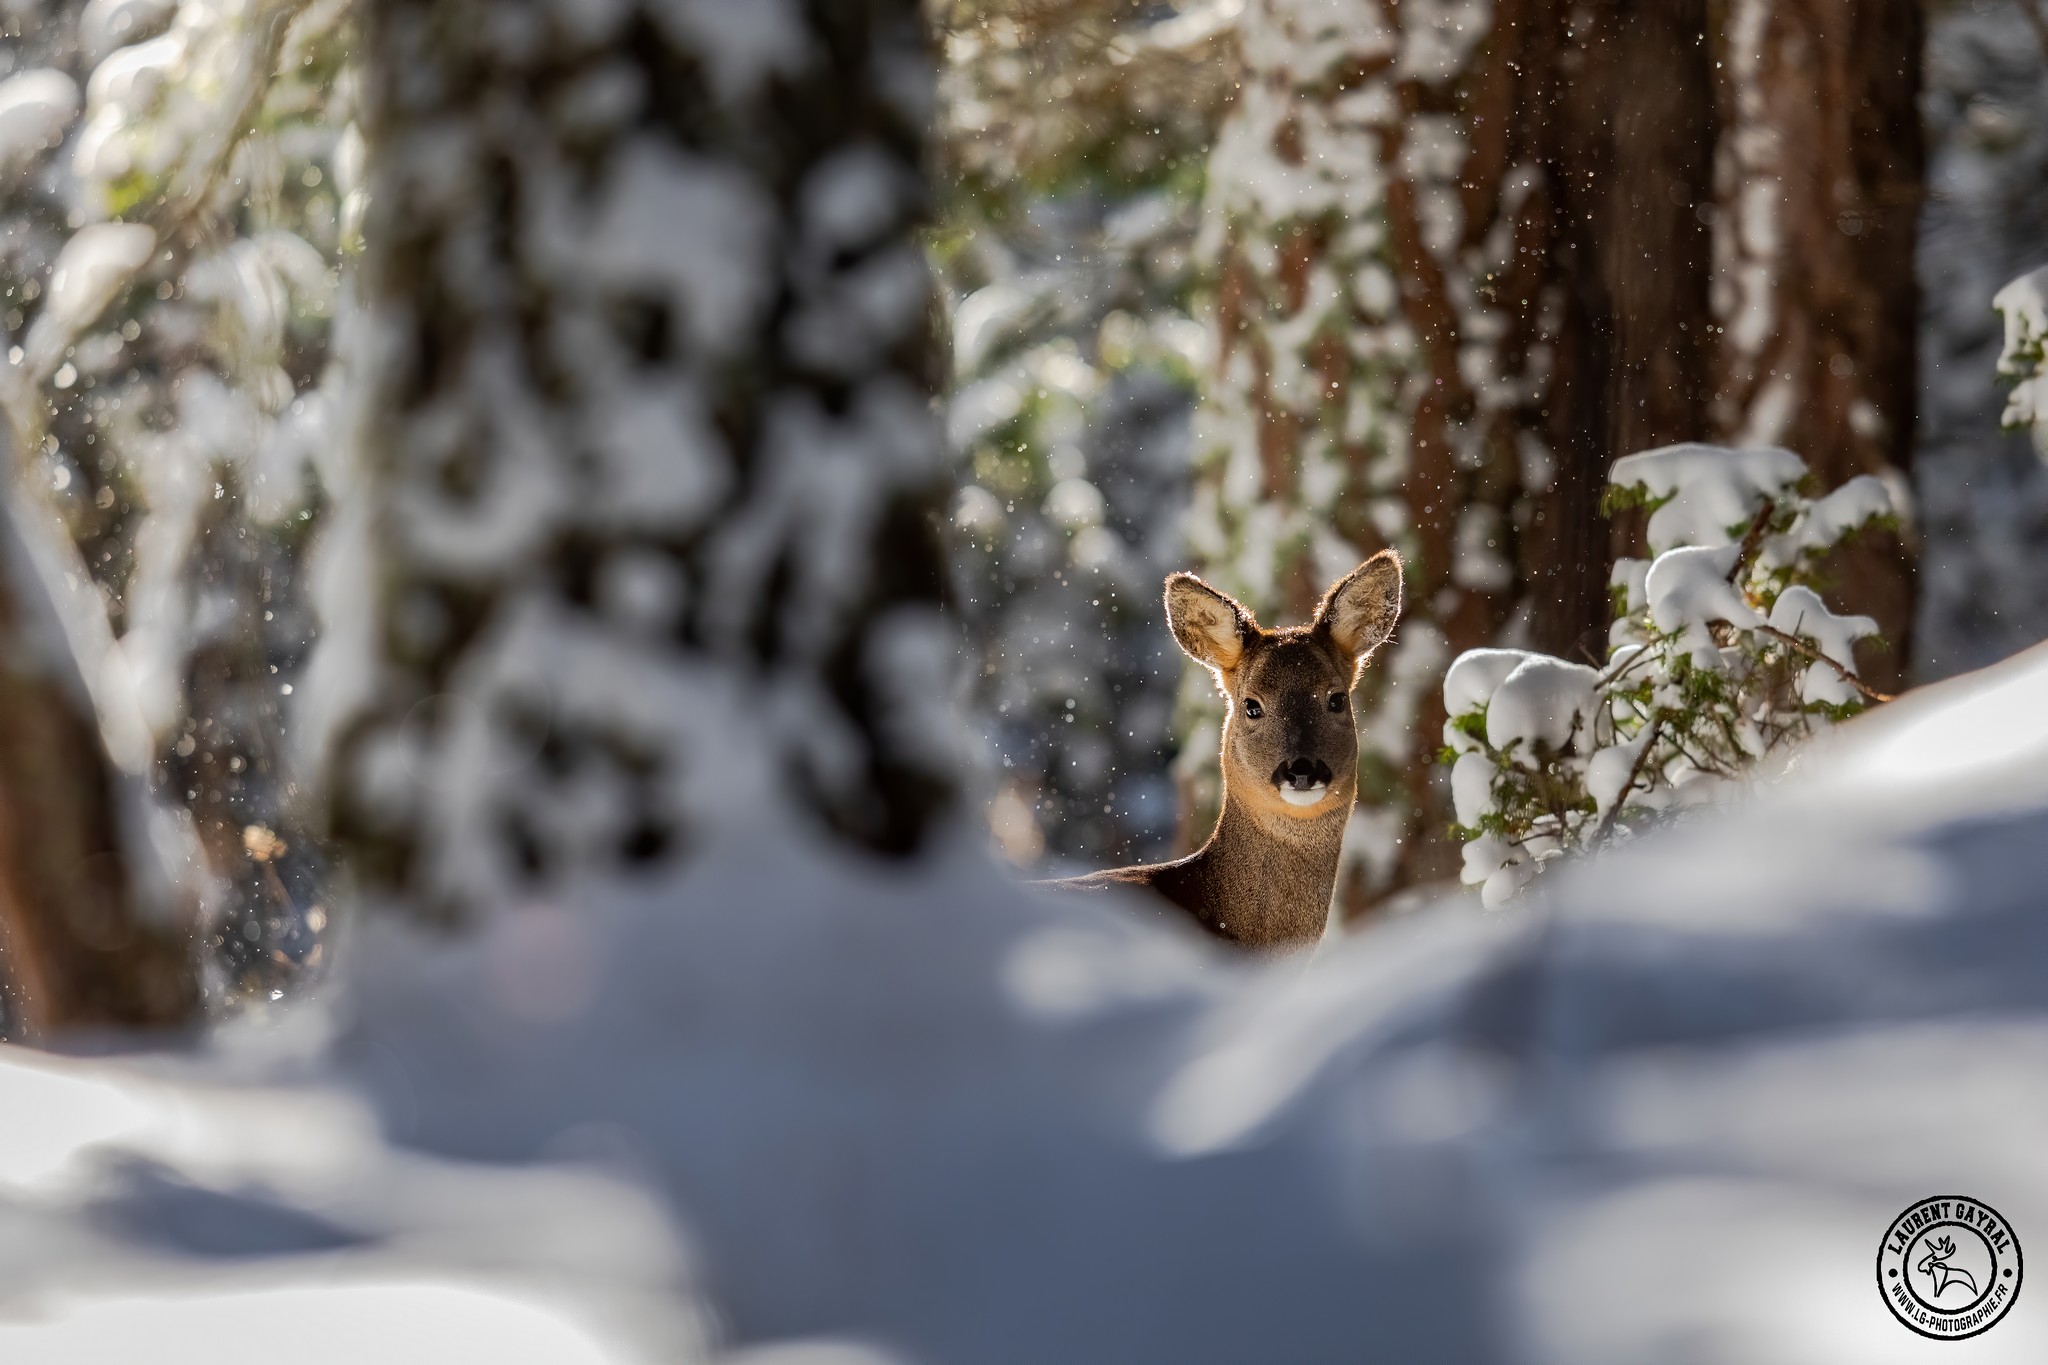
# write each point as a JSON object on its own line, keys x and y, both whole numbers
{"x": 1752, "y": 538}
{"x": 1635, "y": 770}
{"x": 1848, "y": 674}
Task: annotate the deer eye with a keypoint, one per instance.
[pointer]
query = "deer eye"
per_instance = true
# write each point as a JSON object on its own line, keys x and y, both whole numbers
{"x": 1252, "y": 708}
{"x": 1336, "y": 701}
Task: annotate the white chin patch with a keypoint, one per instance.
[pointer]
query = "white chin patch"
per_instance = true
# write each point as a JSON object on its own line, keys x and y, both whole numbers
{"x": 1305, "y": 798}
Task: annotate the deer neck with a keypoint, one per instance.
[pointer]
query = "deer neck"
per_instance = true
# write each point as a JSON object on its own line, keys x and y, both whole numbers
{"x": 1270, "y": 872}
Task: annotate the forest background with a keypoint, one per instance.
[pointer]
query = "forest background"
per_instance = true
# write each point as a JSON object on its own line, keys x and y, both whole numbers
{"x": 1258, "y": 289}
{"x": 491, "y": 841}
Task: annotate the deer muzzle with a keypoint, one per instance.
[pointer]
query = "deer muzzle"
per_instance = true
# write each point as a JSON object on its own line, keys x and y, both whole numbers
{"x": 1303, "y": 781}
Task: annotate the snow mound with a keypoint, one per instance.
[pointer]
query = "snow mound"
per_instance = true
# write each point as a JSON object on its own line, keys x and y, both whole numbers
{"x": 1708, "y": 493}
{"x": 929, "y": 1108}
{"x": 162, "y": 1209}
{"x": 1028, "y": 1100}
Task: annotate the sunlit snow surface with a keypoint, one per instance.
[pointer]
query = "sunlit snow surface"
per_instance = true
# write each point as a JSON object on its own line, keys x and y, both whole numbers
{"x": 1663, "y": 1111}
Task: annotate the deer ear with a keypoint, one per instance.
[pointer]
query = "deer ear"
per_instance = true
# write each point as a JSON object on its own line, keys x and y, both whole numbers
{"x": 1210, "y": 626}
{"x": 1360, "y": 609}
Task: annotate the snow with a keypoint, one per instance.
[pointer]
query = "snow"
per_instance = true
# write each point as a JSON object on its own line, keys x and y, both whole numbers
{"x": 1609, "y": 769}
{"x": 1544, "y": 701}
{"x": 1441, "y": 37}
{"x": 1074, "y": 504}
{"x": 1857, "y": 502}
{"x": 1960, "y": 750}
{"x": 982, "y": 319}
{"x": 1708, "y": 493}
{"x": 1470, "y": 681}
{"x": 2024, "y": 359}
{"x": 1630, "y": 576}
{"x": 1499, "y": 868}
{"x": 35, "y": 109}
{"x": 75, "y": 606}
{"x": 929, "y": 1109}
{"x": 694, "y": 227}
{"x": 1800, "y": 611}
{"x": 1477, "y": 558}
{"x": 1688, "y": 591}
{"x": 330, "y": 1324}
{"x": 95, "y": 266}
{"x": 1472, "y": 788}
{"x": 104, "y": 25}
{"x": 742, "y": 45}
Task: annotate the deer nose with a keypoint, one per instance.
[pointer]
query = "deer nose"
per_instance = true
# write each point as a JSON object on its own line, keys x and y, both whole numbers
{"x": 1302, "y": 774}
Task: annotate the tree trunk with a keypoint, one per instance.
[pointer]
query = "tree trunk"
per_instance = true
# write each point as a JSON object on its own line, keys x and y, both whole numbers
{"x": 650, "y": 468}
{"x": 1819, "y": 186}
{"x": 1460, "y": 270}
{"x": 88, "y": 941}
{"x": 1630, "y": 163}
{"x": 79, "y": 946}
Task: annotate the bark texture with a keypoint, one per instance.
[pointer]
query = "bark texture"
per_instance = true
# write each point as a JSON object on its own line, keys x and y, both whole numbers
{"x": 88, "y": 942}
{"x": 1819, "y": 185}
{"x": 1462, "y": 266}
{"x": 649, "y": 461}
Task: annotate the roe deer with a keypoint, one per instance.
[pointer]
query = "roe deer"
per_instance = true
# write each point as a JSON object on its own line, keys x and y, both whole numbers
{"x": 1290, "y": 757}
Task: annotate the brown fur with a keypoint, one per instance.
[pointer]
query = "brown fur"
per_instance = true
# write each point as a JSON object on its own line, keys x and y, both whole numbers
{"x": 1265, "y": 877}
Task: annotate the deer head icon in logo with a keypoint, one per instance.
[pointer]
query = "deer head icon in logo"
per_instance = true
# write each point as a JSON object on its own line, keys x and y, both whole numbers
{"x": 1934, "y": 1265}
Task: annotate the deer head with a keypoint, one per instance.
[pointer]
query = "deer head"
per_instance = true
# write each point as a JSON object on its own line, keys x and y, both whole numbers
{"x": 1290, "y": 744}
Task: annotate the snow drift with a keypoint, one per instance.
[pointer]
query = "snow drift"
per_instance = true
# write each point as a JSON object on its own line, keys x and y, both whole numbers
{"x": 1664, "y": 1108}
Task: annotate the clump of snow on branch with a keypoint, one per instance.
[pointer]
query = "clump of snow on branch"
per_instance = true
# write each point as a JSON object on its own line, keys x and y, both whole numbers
{"x": 2024, "y": 359}
{"x": 36, "y": 107}
{"x": 1722, "y": 656}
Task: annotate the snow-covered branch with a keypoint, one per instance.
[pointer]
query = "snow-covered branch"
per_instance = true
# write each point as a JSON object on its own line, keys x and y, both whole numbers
{"x": 1721, "y": 658}
{"x": 2024, "y": 359}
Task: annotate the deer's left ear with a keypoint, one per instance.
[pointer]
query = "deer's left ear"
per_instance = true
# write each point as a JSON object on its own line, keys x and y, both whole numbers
{"x": 1360, "y": 609}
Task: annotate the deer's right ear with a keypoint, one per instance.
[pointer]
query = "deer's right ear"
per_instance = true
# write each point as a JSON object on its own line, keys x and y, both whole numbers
{"x": 1210, "y": 626}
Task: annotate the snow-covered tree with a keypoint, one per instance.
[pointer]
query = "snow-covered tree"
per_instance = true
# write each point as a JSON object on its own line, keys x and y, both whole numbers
{"x": 1723, "y": 658}
{"x": 1458, "y": 268}
{"x": 174, "y": 205}
{"x": 171, "y": 239}
{"x": 1982, "y": 492}
{"x": 648, "y": 470}
{"x": 91, "y": 935}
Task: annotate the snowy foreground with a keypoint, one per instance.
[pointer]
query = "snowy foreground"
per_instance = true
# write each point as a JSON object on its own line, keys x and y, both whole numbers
{"x": 1664, "y": 1113}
